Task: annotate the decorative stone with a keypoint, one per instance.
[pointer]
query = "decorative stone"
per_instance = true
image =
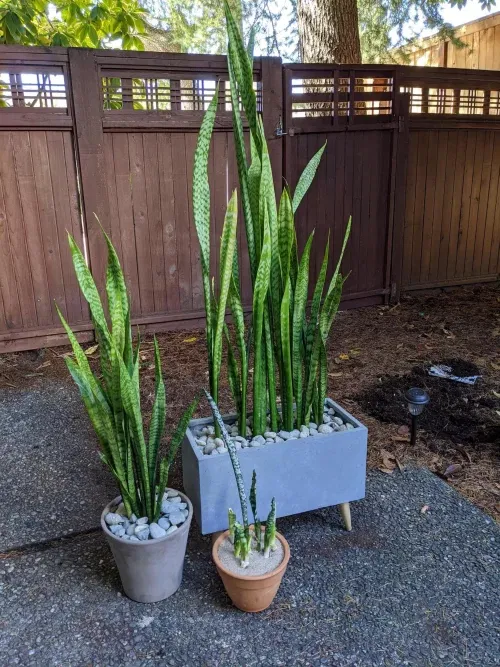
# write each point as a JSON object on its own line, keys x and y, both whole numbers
{"x": 249, "y": 432}
{"x": 313, "y": 431}
{"x": 338, "y": 421}
{"x": 142, "y": 532}
{"x": 326, "y": 419}
{"x": 164, "y": 523}
{"x": 237, "y": 444}
{"x": 209, "y": 448}
{"x": 259, "y": 440}
{"x": 156, "y": 531}
{"x": 313, "y": 425}
{"x": 133, "y": 518}
{"x": 269, "y": 441}
{"x": 176, "y": 518}
{"x": 200, "y": 442}
{"x": 304, "y": 429}
{"x": 131, "y": 529}
{"x": 175, "y": 499}
{"x": 240, "y": 438}
{"x": 304, "y": 435}
{"x": 284, "y": 434}
{"x": 117, "y": 530}
{"x": 133, "y": 538}
{"x": 112, "y": 519}
{"x": 142, "y": 521}
{"x": 324, "y": 428}
{"x": 342, "y": 428}
{"x": 278, "y": 439}
{"x": 245, "y": 444}
{"x": 219, "y": 442}
{"x": 270, "y": 434}
{"x": 222, "y": 450}
{"x": 214, "y": 452}
{"x": 349, "y": 427}
{"x": 295, "y": 433}
{"x": 171, "y": 530}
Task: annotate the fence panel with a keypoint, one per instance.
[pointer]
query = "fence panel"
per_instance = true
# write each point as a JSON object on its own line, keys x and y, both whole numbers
{"x": 39, "y": 203}
{"x": 452, "y": 220}
{"x": 354, "y": 112}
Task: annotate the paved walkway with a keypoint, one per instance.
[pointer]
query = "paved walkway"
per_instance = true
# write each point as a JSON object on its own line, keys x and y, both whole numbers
{"x": 403, "y": 589}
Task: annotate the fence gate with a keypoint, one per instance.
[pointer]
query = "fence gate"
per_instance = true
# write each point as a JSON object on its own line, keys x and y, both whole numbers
{"x": 362, "y": 117}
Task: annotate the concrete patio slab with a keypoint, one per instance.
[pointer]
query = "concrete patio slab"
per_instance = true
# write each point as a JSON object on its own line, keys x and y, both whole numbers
{"x": 403, "y": 589}
{"x": 53, "y": 482}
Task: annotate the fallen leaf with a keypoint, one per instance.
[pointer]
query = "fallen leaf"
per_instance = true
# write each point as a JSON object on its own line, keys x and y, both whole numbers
{"x": 190, "y": 340}
{"x": 464, "y": 452}
{"x": 334, "y": 375}
{"x": 400, "y": 438}
{"x": 91, "y": 350}
{"x": 452, "y": 469}
{"x": 403, "y": 430}
{"x": 355, "y": 352}
{"x": 44, "y": 365}
{"x": 496, "y": 394}
{"x": 343, "y": 356}
{"x": 448, "y": 333}
{"x": 144, "y": 357}
{"x": 399, "y": 464}
{"x": 387, "y": 471}
{"x": 424, "y": 509}
{"x": 495, "y": 366}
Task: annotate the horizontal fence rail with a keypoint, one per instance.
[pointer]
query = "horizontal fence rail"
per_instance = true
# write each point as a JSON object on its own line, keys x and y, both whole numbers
{"x": 412, "y": 154}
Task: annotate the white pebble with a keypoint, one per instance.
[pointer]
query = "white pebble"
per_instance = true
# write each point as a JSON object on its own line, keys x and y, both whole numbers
{"x": 270, "y": 434}
{"x": 324, "y": 428}
{"x": 113, "y": 519}
{"x": 219, "y": 442}
{"x": 157, "y": 531}
{"x": 143, "y": 520}
{"x": 171, "y": 530}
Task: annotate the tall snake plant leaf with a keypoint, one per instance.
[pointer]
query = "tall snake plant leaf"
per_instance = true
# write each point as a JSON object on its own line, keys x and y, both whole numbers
{"x": 158, "y": 416}
{"x": 228, "y": 247}
{"x": 239, "y": 325}
{"x": 307, "y": 177}
{"x": 270, "y": 372}
{"x": 299, "y": 309}
{"x": 261, "y": 288}
{"x": 286, "y": 352}
{"x": 233, "y": 372}
{"x": 333, "y": 281}
{"x": 286, "y": 233}
{"x": 118, "y": 304}
{"x": 243, "y": 172}
{"x": 180, "y": 431}
{"x": 242, "y": 70}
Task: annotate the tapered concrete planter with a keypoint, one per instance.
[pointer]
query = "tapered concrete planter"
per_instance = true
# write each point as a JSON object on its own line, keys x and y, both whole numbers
{"x": 150, "y": 571}
{"x": 303, "y": 474}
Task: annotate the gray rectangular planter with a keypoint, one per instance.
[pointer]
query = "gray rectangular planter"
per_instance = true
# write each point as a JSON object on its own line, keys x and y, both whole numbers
{"x": 302, "y": 475}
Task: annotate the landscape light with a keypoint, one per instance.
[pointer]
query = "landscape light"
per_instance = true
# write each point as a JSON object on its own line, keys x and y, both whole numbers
{"x": 417, "y": 400}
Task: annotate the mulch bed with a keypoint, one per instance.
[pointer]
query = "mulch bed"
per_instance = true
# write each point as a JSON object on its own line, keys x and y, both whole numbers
{"x": 375, "y": 354}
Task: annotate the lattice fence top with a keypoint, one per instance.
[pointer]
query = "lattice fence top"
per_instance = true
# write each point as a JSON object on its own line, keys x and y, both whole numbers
{"x": 38, "y": 88}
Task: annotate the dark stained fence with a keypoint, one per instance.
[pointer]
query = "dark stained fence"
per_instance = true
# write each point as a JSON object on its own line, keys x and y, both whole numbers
{"x": 413, "y": 155}
{"x": 452, "y": 216}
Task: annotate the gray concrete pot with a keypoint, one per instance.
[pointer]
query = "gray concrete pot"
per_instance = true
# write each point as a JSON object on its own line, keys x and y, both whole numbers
{"x": 302, "y": 475}
{"x": 150, "y": 571}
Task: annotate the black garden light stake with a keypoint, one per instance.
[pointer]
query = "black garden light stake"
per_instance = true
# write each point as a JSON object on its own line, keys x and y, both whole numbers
{"x": 417, "y": 400}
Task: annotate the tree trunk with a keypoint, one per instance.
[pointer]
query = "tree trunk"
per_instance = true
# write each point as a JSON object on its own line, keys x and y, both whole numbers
{"x": 329, "y": 31}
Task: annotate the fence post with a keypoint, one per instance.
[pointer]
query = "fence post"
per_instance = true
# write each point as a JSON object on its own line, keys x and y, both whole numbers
{"x": 87, "y": 110}
{"x": 272, "y": 115}
{"x": 398, "y": 194}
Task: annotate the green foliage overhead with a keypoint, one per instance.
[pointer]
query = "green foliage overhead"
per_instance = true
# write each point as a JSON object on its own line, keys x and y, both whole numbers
{"x": 86, "y": 23}
{"x": 112, "y": 397}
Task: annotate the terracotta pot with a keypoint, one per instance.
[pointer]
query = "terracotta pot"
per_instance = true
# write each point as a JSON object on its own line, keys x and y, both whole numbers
{"x": 150, "y": 571}
{"x": 251, "y": 593}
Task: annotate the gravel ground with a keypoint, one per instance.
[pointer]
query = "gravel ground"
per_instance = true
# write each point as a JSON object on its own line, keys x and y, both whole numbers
{"x": 53, "y": 482}
{"x": 405, "y": 588}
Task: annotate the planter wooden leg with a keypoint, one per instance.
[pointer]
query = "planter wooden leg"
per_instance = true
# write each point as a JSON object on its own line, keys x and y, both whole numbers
{"x": 345, "y": 511}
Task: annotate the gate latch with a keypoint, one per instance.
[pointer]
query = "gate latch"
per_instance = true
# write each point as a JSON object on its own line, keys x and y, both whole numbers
{"x": 279, "y": 132}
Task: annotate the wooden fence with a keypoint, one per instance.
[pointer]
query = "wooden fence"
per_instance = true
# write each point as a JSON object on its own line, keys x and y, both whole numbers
{"x": 413, "y": 154}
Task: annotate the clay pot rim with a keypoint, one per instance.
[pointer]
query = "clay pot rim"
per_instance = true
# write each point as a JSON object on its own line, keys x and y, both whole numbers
{"x": 249, "y": 577}
{"x": 145, "y": 543}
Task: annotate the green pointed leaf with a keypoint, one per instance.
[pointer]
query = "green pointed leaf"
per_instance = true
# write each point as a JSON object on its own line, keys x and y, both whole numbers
{"x": 307, "y": 177}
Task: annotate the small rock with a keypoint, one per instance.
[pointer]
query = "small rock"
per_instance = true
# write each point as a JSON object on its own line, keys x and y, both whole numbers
{"x": 205, "y": 430}
{"x": 171, "y": 530}
{"x": 172, "y": 494}
{"x": 259, "y": 440}
{"x": 324, "y": 428}
{"x": 269, "y": 441}
{"x": 331, "y": 411}
{"x": 338, "y": 421}
{"x": 313, "y": 431}
{"x": 142, "y": 521}
{"x": 211, "y": 430}
{"x": 142, "y": 532}
{"x": 295, "y": 433}
{"x": 222, "y": 450}
{"x": 125, "y": 537}
{"x": 219, "y": 442}
{"x": 326, "y": 419}
{"x": 209, "y": 448}
{"x": 176, "y": 518}
{"x": 164, "y": 523}
{"x": 237, "y": 444}
{"x": 156, "y": 531}
{"x": 278, "y": 439}
{"x": 304, "y": 429}
{"x": 349, "y": 427}
{"x": 131, "y": 529}
{"x": 112, "y": 519}
{"x": 234, "y": 430}
{"x": 254, "y": 443}
{"x": 303, "y": 434}
{"x": 270, "y": 434}
{"x": 249, "y": 432}
{"x": 342, "y": 428}
{"x": 133, "y": 538}
{"x": 117, "y": 530}
{"x": 240, "y": 438}
{"x": 214, "y": 452}
{"x": 133, "y": 518}
{"x": 186, "y": 514}
{"x": 313, "y": 425}
{"x": 200, "y": 442}
{"x": 284, "y": 434}
{"x": 175, "y": 498}
{"x": 245, "y": 444}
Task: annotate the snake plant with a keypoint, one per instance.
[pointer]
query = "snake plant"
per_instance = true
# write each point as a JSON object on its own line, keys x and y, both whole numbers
{"x": 112, "y": 397}
{"x": 288, "y": 337}
{"x": 240, "y": 533}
